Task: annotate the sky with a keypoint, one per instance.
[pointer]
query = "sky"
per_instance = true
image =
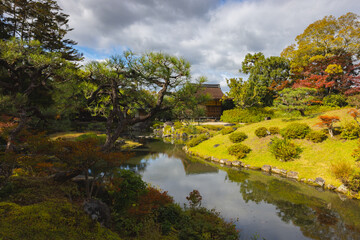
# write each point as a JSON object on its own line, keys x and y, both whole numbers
{"x": 213, "y": 35}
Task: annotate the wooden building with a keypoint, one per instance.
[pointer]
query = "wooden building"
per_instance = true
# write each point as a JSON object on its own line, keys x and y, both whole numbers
{"x": 213, "y": 107}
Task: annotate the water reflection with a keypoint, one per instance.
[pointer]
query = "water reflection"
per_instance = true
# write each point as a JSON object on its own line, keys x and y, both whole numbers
{"x": 272, "y": 207}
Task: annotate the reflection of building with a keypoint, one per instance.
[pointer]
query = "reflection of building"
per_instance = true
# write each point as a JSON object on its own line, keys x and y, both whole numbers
{"x": 213, "y": 107}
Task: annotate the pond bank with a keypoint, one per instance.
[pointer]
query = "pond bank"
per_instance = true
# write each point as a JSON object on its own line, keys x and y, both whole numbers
{"x": 317, "y": 182}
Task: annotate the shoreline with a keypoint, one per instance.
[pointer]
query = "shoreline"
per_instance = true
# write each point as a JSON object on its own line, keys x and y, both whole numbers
{"x": 273, "y": 170}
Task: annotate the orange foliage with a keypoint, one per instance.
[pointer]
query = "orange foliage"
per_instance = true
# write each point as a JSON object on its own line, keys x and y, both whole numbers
{"x": 328, "y": 121}
{"x": 150, "y": 201}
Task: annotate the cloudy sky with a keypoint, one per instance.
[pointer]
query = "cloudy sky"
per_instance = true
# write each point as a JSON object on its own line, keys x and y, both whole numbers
{"x": 213, "y": 35}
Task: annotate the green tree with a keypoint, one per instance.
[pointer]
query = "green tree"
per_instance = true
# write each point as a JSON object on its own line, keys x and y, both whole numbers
{"x": 29, "y": 77}
{"x": 266, "y": 77}
{"x": 120, "y": 87}
{"x": 41, "y": 20}
{"x": 189, "y": 100}
{"x": 297, "y": 99}
{"x": 323, "y": 39}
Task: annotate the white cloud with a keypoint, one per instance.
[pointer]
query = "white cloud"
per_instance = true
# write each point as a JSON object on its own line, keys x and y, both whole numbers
{"x": 213, "y": 35}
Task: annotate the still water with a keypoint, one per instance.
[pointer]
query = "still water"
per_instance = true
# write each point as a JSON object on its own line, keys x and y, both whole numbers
{"x": 263, "y": 206}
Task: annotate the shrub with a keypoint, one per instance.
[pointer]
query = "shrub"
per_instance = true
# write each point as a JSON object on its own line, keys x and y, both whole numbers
{"x": 342, "y": 170}
{"x": 350, "y": 130}
{"x": 335, "y": 101}
{"x": 295, "y": 130}
{"x": 274, "y": 130}
{"x": 261, "y": 132}
{"x": 316, "y": 136}
{"x": 213, "y": 127}
{"x": 284, "y": 149}
{"x": 239, "y": 150}
{"x": 197, "y": 140}
{"x": 354, "y": 183}
{"x": 227, "y": 130}
{"x": 249, "y": 115}
{"x": 237, "y": 137}
{"x": 127, "y": 188}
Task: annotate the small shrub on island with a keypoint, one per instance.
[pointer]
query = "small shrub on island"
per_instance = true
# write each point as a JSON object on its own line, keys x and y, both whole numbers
{"x": 274, "y": 130}
{"x": 261, "y": 132}
{"x": 227, "y": 130}
{"x": 342, "y": 170}
{"x": 316, "y": 136}
{"x": 295, "y": 131}
{"x": 237, "y": 137}
{"x": 284, "y": 149}
{"x": 239, "y": 150}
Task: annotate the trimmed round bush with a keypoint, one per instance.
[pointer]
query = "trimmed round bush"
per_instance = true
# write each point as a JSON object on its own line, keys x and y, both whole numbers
{"x": 239, "y": 150}
{"x": 227, "y": 130}
{"x": 350, "y": 130}
{"x": 261, "y": 132}
{"x": 316, "y": 136}
{"x": 237, "y": 137}
{"x": 284, "y": 149}
{"x": 335, "y": 101}
{"x": 274, "y": 130}
{"x": 295, "y": 131}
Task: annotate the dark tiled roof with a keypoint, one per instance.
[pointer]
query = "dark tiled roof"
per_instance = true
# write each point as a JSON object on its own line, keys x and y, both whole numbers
{"x": 214, "y": 90}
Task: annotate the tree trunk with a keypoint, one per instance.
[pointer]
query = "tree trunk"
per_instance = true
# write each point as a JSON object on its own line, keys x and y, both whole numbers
{"x": 14, "y": 133}
{"x": 331, "y": 132}
{"x": 302, "y": 113}
{"x": 112, "y": 136}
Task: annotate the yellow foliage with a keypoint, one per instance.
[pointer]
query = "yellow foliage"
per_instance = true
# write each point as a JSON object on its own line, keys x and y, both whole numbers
{"x": 334, "y": 69}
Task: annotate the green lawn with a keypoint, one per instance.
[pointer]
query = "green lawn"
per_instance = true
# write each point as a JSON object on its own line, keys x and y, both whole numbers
{"x": 315, "y": 160}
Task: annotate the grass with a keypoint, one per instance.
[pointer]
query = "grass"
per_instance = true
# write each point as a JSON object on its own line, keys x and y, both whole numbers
{"x": 73, "y": 135}
{"x": 315, "y": 160}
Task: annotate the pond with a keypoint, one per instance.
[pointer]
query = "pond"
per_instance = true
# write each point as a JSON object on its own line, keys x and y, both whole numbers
{"x": 263, "y": 206}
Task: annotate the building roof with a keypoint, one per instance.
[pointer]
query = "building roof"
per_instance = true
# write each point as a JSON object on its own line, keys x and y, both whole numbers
{"x": 214, "y": 90}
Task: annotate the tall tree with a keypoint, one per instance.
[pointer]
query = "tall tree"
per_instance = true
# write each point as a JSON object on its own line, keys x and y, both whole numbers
{"x": 41, "y": 20}
{"x": 327, "y": 54}
{"x": 123, "y": 85}
{"x": 29, "y": 80}
{"x": 266, "y": 77}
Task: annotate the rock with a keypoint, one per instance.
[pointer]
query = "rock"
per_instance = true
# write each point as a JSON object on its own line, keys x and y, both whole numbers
{"x": 267, "y": 118}
{"x": 242, "y": 164}
{"x": 266, "y": 168}
{"x": 283, "y": 172}
{"x": 98, "y": 211}
{"x": 254, "y": 167}
{"x": 222, "y": 161}
{"x": 168, "y": 124}
{"x": 229, "y": 124}
{"x": 320, "y": 181}
{"x": 214, "y": 159}
{"x": 330, "y": 187}
{"x": 236, "y": 163}
{"x": 303, "y": 180}
{"x": 228, "y": 163}
{"x": 247, "y": 166}
{"x": 207, "y": 158}
{"x": 216, "y": 145}
{"x": 311, "y": 181}
{"x": 342, "y": 189}
{"x": 275, "y": 170}
{"x": 293, "y": 175}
